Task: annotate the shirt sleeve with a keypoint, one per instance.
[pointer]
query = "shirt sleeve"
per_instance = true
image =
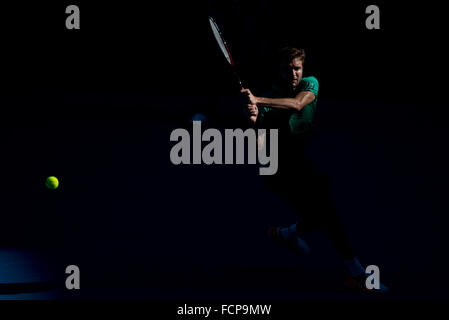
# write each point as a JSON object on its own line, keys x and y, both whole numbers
{"x": 310, "y": 84}
{"x": 302, "y": 122}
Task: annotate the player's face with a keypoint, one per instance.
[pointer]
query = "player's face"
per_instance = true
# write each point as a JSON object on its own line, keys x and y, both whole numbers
{"x": 291, "y": 73}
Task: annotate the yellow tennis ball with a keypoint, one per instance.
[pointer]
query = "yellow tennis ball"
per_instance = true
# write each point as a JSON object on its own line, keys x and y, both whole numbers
{"x": 52, "y": 183}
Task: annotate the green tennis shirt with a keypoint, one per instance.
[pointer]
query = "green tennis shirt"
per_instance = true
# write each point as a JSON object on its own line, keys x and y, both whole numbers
{"x": 296, "y": 123}
{"x": 294, "y": 127}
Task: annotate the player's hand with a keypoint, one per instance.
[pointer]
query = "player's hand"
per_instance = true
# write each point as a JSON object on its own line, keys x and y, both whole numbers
{"x": 248, "y": 96}
{"x": 253, "y": 110}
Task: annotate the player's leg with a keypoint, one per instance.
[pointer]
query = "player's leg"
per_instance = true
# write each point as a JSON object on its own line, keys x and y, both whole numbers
{"x": 318, "y": 214}
{"x": 289, "y": 237}
{"x": 286, "y": 236}
{"x": 338, "y": 237}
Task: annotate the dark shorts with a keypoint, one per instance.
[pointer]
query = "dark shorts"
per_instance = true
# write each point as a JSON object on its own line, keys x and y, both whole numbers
{"x": 307, "y": 191}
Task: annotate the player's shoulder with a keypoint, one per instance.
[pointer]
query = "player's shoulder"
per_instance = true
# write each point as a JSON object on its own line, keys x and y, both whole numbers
{"x": 311, "y": 80}
{"x": 309, "y": 84}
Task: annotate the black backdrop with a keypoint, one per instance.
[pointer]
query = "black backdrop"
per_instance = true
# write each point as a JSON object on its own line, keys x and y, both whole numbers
{"x": 95, "y": 107}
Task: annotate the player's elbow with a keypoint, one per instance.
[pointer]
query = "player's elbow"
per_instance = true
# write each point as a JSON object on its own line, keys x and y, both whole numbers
{"x": 297, "y": 105}
{"x": 303, "y": 99}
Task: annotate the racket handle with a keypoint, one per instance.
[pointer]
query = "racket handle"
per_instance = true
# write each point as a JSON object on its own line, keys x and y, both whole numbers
{"x": 241, "y": 85}
{"x": 238, "y": 79}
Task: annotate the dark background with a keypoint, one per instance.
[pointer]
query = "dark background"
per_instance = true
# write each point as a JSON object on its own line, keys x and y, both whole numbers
{"x": 95, "y": 107}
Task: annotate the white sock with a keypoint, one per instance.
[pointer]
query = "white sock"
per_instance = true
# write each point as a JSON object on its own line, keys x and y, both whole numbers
{"x": 288, "y": 233}
{"x": 354, "y": 267}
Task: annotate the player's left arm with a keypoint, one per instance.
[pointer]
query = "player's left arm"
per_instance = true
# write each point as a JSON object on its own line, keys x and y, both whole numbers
{"x": 301, "y": 100}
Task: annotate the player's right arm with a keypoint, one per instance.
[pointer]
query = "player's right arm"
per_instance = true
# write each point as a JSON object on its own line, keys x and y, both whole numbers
{"x": 252, "y": 109}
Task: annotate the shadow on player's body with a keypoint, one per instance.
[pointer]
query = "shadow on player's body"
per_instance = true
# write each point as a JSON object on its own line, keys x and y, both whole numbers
{"x": 290, "y": 107}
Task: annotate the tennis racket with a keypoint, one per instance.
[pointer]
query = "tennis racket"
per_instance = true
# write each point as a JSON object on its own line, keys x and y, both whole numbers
{"x": 224, "y": 48}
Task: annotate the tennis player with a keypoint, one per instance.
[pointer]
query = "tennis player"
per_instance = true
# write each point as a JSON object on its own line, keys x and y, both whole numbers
{"x": 290, "y": 107}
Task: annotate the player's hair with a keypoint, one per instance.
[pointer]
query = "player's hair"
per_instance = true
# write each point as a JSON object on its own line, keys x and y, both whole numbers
{"x": 287, "y": 54}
